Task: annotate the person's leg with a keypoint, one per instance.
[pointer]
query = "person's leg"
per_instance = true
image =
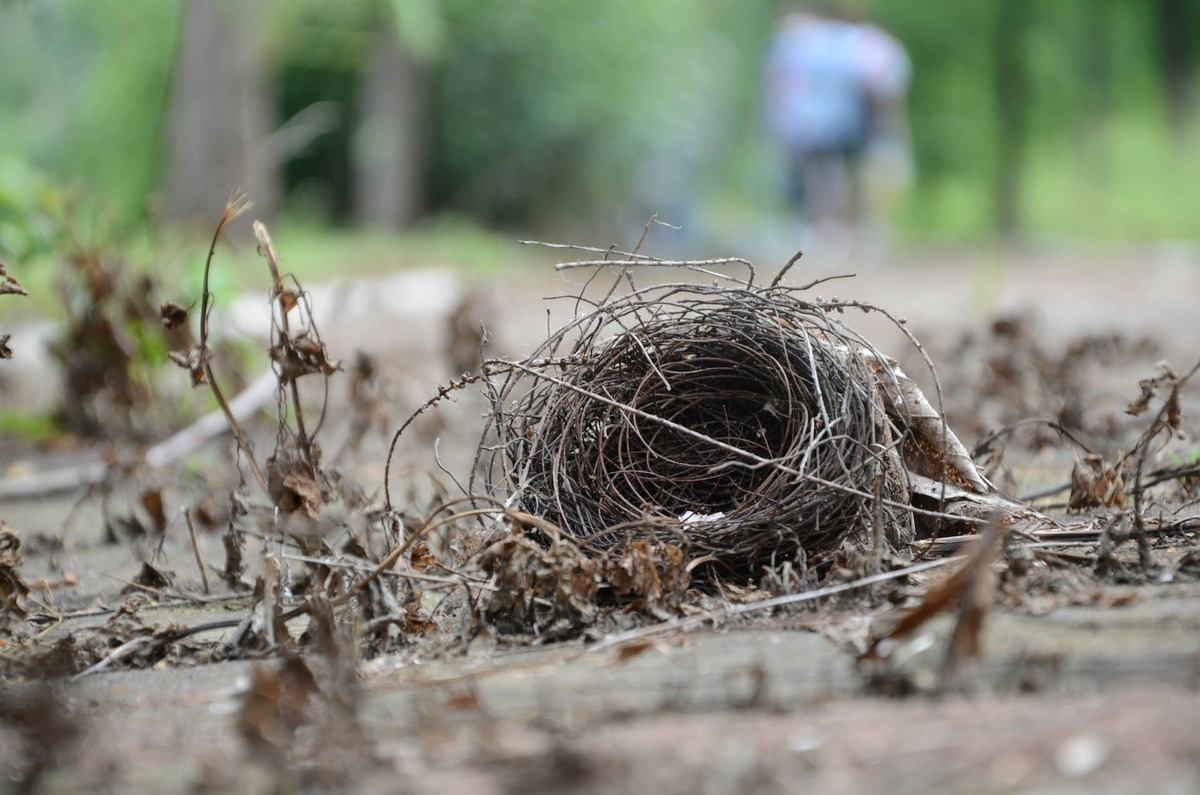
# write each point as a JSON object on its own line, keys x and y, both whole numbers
{"x": 826, "y": 187}
{"x": 854, "y": 206}
{"x": 797, "y": 187}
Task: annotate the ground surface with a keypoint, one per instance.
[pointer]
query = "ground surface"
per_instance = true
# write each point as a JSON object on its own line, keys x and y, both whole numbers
{"x": 1095, "y": 692}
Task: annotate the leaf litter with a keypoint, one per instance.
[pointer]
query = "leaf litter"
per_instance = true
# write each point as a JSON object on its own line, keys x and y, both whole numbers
{"x": 613, "y": 502}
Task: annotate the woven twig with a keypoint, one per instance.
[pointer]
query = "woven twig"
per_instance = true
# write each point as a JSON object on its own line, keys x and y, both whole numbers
{"x": 734, "y": 421}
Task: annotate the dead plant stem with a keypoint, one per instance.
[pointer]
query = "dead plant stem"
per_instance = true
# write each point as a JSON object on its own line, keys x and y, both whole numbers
{"x": 279, "y": 297}
{"x": 1160, "y": 422}
{"x": 187, "y": 515}
{"x": 235, "y": 206}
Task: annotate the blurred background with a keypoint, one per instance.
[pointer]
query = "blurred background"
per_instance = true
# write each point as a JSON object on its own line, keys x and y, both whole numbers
{"x": 1068, "y": 120}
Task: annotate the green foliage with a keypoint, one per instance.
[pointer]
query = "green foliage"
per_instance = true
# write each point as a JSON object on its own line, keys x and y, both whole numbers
{"x": 421, "y": 28}
{"x": 33, "y": 426}
{"x": 333, "y": 36}
{"x": 315, "y": 252}
{"x": 559, "y": 111}
{"x": 549, "y": 107}
{"x": 1099, "y": 160}
{"x": 91, "y": 80}
{"x": 338, "y": 35}
{"x": 29, "y": 211}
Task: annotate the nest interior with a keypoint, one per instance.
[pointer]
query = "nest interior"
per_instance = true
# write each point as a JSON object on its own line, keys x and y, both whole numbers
{"x": 740, "y": 424}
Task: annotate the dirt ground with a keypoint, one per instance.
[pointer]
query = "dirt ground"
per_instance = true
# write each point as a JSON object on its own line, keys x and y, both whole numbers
{"x": 1084, "y": 686}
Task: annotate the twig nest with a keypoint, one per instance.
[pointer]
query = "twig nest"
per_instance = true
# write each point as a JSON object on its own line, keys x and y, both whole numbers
{"x": 741, "y": 424}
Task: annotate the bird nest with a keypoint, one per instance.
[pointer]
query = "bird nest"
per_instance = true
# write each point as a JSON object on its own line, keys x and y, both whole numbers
{"x": 745, "y": 425}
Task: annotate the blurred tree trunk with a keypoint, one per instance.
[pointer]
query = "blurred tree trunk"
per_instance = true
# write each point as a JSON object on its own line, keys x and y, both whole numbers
{"x": 1096, "y": 65}
{"x": 1177, "y": 30}
{"x": 221, "y": 113}
{"x": 388, "y": 146}
{"x": 1011, "y": 98}
{"x": 1097, "y": 60}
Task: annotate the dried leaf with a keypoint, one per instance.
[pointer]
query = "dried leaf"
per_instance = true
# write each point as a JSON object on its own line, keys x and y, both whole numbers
{"x": 9, "y": 285}
{"x": 204, "y": 516}
{"x": 652, "y": 576}
{"x": 634, "y": 573}
{"x": 192, "y": 360}
{"x": 930, "y": 447}
{"x": 414, "y": 622}
{"x": 961, "y": 589}
{"x": 1167, "y": 379}
{"x": 172, "y": 315}
{"x": 550, "y": 593}
{"x": 275, "y": 706}
{"x": 62, "y": 658}
{"x": 12, "y": 588}
{"x": 5, "y": 351}
{"x": 293, "y": 485}
{"x": 1138, "y": 407}
{"x": 302, "y": 355}
{"x": 288, "y": 300}
{"x": 965, "y": 649}
{"x": 1096, "y": 482}
{"x": 125, "y": 528}
{"x": 1173, "y": 409}
{"x": 421, "y": 557}
{"x": 152, "y": 501}
{"x": 974, "y": 507}
{"x": 150, "y": 577}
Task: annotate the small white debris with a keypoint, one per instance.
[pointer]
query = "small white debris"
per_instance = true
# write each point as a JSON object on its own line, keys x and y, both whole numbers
{"x": 1081, "y": 755}
{"x": 804, "y": 740}
{"x": 691, "y": 517}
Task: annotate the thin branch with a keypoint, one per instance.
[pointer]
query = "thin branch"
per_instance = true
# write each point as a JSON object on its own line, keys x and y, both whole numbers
{"x": 699, "y": 265}
{"x": 783, "y": 271}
